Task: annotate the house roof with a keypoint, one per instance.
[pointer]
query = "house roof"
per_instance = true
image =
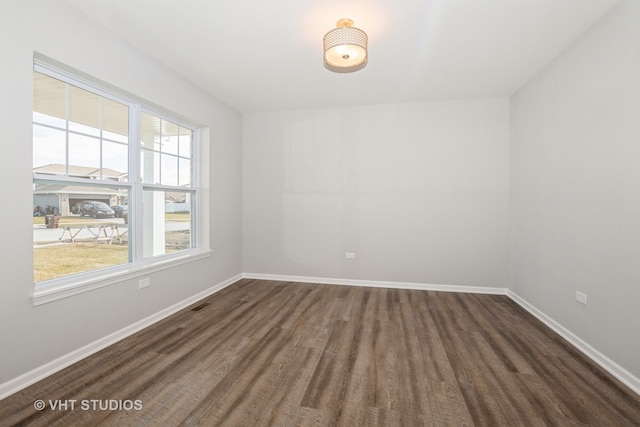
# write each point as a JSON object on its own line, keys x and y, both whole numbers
{"x": 76, "y": 190}
{"x": 79, "y": 171}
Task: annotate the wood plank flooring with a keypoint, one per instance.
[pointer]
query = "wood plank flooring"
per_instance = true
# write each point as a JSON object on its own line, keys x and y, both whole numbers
{"x": 289, "y": 354}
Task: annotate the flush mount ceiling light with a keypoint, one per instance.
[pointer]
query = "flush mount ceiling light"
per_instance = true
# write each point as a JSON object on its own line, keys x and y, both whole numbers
{"x": 345, "y": 48}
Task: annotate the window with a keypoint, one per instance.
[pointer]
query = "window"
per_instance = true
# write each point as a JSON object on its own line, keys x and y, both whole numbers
{"x": 166, "y": 174}
{"x": 113, "y": 182}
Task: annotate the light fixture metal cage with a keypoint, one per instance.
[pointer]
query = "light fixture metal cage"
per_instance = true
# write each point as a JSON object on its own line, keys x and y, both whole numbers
{"x": 345, "y": 48}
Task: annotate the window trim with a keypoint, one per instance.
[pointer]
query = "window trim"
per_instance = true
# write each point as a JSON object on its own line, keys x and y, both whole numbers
{"x": 62, "y": 287}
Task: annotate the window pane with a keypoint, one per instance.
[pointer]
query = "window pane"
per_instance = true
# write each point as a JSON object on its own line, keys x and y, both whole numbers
{"x": 170, "y": 145}
{"x": 114, "y": 161}
{"x": 84, "y": 152}
{"x": 75, "y": 229}
{"x": 167, "y": 222}
{"x": 49, "y": 149}
{"x": 49, "y": 120}
{"x": 185, "y": 143}
{"x": 170, "y": 129}
{"x": 84, "y": 111}
{"x": 166, "y": 152}
{"x": 184, "y": 169}
{"x": 150, "y": 132}
{"x": 115, "y": 121}
{"x": 80, "y": 128}
{"x": 150, "y": 166}
{"x": 49, "y": 100}
{"x": 169, "y": 170}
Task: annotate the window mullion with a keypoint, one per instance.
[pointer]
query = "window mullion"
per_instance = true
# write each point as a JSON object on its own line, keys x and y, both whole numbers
{"x": 100, "y": 134}
{"x": 66, "y": 133}
{"x": 136, "y": 246}
{"x": 196, "y": 222}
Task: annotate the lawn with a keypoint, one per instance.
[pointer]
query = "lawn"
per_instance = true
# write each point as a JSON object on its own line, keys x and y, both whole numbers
{"x": 60, "y": 260}
{"x": 178, "y": 216}
{"x": 52, "y": 261}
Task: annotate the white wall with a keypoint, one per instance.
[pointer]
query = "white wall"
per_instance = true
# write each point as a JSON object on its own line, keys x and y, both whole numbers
{"x": 418, "y": 191}
{"x": 575, "y": 172}
{"x": 32, "y": 336}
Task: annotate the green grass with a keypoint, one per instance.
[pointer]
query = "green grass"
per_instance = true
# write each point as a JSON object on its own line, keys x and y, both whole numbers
{"x": 61, "y": 260}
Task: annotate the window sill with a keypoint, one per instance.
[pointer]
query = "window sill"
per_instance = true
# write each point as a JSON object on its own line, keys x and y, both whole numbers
{"x": 57, "y": 289}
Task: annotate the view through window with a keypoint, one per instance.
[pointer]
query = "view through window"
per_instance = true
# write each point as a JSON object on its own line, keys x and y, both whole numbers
{"x": 113, "y": 181}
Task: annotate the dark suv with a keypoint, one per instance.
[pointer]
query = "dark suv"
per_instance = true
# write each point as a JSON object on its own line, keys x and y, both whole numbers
{"x": 95, "y": 209}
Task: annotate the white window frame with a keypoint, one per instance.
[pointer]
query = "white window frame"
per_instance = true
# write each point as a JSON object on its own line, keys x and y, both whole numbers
{"x": 137, "y": 266}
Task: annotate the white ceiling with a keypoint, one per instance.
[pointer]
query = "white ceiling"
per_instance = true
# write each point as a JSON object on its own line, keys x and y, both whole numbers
{"x": 260, "y": 55}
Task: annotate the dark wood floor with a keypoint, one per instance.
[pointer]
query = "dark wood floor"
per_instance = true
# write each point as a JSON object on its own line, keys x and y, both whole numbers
{"x": 290, "y": 354}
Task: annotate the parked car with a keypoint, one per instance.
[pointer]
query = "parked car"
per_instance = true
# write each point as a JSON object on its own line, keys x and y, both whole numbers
{"x": 95, "y": 209}
{"x": 119, "y": 211}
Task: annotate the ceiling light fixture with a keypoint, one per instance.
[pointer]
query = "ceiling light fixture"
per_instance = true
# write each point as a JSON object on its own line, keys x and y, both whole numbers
{"x": 345, "y": 48}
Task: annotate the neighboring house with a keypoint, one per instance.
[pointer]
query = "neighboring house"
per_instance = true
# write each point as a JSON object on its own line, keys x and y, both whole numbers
{"x": 62, "y": 198}
{"x": 175, "y": 197}
{"x": 177, "y": 202}
{"x": 81, "y": 172}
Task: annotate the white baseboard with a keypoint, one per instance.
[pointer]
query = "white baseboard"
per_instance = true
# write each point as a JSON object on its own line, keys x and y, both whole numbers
{"x": 377, "y": 284}
{"x": 12, "y": 386}
{"x": 607, "y": 364}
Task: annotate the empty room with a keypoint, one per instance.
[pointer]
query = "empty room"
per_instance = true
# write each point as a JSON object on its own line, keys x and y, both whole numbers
{"x": 339, "y": 213}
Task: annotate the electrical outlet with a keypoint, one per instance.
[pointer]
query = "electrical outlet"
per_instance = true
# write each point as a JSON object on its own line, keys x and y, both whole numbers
{"x": 350, "y": 255}
{"x": 144, "y": 283}
{"x": 581, "y": 298}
